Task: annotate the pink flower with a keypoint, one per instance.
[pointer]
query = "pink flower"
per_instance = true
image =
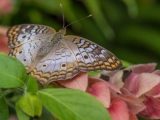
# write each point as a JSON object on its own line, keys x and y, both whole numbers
{"x": 6, "y": 6}
{"x": 103, "y": 91}
{"x": 3, "y": 40}
{"x": 138, "y": 94}
{"x": 141, "y": 91}
{"x": 119, "y": 111}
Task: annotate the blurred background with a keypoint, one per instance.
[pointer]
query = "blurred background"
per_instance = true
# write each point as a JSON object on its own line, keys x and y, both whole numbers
{"x": 128, "y": 28}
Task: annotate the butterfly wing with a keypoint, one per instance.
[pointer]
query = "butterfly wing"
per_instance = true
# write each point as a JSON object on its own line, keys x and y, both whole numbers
{"x": 20, "y": 34}
{"x": 25, "y": 40}
{"x": 90, "y": 56}
{"x": 66, "y": 59}
{"x": 72, "y": 55}
{"x": 58, "y": 64}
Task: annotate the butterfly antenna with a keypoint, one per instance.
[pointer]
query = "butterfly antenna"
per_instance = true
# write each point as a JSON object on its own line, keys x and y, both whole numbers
{"x": 78, "y": 20}
{"x": 62, "y": 15}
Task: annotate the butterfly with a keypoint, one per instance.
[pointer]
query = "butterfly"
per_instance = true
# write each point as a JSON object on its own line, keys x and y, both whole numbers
{"x": 50, "y": 56}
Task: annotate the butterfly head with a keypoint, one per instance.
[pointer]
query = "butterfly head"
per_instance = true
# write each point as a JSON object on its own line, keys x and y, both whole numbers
{"x": 62, "y": 31}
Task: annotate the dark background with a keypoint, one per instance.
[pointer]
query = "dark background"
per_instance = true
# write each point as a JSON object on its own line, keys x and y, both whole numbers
{"x": 128, "y": 28}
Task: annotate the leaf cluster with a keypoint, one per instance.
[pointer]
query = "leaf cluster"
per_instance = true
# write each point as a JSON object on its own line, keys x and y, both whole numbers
{"x": 32, "y": 102}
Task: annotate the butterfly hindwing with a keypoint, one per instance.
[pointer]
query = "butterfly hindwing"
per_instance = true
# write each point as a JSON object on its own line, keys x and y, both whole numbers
{"x": 58, "y": 64}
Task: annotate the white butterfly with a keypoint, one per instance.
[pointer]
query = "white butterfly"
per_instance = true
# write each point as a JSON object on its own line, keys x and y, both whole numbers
{"x": 50, "y": 56}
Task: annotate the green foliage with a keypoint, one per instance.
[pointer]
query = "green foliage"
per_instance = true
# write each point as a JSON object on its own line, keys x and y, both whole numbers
{"x": 20, "y": 114}
{"x": 32, "y": 86}
{"x": 64, "y": 104}
{"x": 93, "y": 73}
{"x": 72, "y": 103}
{"x": 4, "y": 113}
{"x": 9, "y": 72}
{"x": 30, "y": 104}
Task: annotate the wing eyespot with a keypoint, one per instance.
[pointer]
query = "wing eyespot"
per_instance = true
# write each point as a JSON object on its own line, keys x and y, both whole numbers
{"x": 44, "y": 65}
{"x": 23, "y": 36}
{"x": 24, "y": 60}
{"x": 20, "y": 51}
{"x": 85, "y": 56}
{"x": 63, "y": 65}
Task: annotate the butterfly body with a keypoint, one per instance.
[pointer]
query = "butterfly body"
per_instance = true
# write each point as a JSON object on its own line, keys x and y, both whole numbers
{"x": 43, "y": 50}
{"x": 48, "y": 45}
{"x": 50, "y": 56}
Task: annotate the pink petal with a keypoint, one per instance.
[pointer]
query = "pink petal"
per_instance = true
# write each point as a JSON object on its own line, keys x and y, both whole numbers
{"x": 118, "y": 110}
{"x": 132, "y": 116}
{"x": 128, "y": 97}
{"x": 6, "y": 6}
{"x": 142, "y": 83}
{"x": 130, "y": 81}
{"x": 80, "y": 82}
{"x": 101, "y": 91}
{"x": 140, "y": 68}
{"x": 136, "y": 107}
{"x": 157, "y": 72}
{"x": 134, "y": 104}
{"x": 154, "y": 92}
{"x": 92, "y": 80}
{"x": 113, "y": 87}
{"x": 3, "y": 31}
{"x": 152, "y": 110}
{"x": 3, "y": 44}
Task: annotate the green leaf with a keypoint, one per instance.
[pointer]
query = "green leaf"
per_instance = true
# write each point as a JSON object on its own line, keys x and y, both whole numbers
{"x": 37, "y": 105}
{"x": 20, "y": 114}
{"x": 32, "y": 86}
{"x": 46, "y": 115}
{"x": 12, "y": 72}
{"x": 126, "y": 63}
{"x": 4, "y": 113}
{"x": 31, "y": 105}
{"x": 69, "y": 104}
{"x": 93, "y": 73}
{"x": 26, "y": 104}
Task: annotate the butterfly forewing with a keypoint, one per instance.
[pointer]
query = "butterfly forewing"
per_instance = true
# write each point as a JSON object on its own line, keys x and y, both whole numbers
{"x": 25, "y": 40}
{"x": 21, "y": 34}
{"x": 90, "y": 56}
